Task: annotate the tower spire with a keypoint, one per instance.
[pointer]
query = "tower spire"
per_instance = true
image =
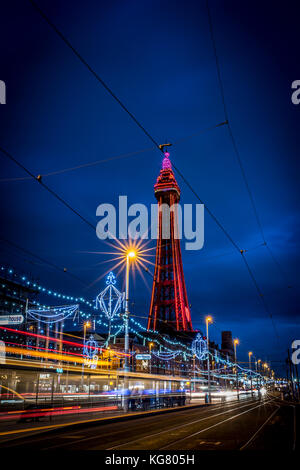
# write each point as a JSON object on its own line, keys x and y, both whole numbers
{"x": 169, "y": 303}
{"x": 166, "y": 163}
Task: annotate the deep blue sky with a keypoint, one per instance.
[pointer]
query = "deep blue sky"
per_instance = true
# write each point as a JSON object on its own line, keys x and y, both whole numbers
{"x": 158, "y": 58}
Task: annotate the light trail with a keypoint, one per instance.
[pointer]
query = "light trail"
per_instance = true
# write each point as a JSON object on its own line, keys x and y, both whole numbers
{"x": 13, "y": 391}
{"x": 71, "y": 343}
{"x": 47, "y": 355}
{"x": 30, "y": 346}
{"x": 105, "y": 373}
{"x": 105, "y": 419}
{"x": 58, "y": 412}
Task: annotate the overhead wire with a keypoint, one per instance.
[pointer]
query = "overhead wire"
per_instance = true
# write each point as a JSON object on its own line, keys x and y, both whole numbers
{"x": 108, "y": 89}
{"x": 234, "y": 144}
{"x": 77, "y": 167}
{"x": 117, "y": 157}
{"x": 93, "y": 72}
{"x": 43, "y": 260}
{"x": 46, "y": 187}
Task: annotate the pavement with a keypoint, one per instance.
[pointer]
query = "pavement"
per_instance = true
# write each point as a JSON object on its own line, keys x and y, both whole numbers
{"x": 250, "y": 424}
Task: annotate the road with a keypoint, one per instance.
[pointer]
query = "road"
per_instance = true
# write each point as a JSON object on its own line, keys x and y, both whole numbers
{"x": 252, "y": 423}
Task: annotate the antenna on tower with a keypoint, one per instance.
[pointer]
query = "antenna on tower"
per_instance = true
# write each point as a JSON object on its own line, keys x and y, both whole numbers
{"x": 161, "y": 146}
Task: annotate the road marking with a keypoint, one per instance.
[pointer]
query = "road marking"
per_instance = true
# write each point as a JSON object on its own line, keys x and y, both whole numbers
{"x": 210, "y": 443}
{"x": 213, "y": 426}
{"x": 170, "y": 429}
{"x": 262, "y": 426}
{"x": 178, "y": 427}
{"x": 161, "y": 432}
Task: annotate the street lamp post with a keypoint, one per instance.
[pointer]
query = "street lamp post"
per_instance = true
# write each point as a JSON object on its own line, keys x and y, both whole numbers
{"x": 265, "y": 372}
{"x": 207, "y": 321}
{"x": 268, "y": 373}
{"x": 130, "y": 255}
{"x": 250, "y": 368}
{"x": 86, "y": 324}
{"x": 259, "y": 370}
{"x": 150, "y": 363}
{"x": 235, "y": 344}
{"x": 256, "y": 375}
{"x": 194, "y": 368}
{"x": 256, "y": 381}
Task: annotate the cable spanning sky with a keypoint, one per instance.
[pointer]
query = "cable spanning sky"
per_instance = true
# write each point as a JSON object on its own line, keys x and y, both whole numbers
{"x": 158, "y": 58}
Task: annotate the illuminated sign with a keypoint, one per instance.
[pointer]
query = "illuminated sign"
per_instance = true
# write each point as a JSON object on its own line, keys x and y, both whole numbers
{"x": 91, "y": 361}
{"x": 143, "y": 357}
{"x": 11, "y": 319}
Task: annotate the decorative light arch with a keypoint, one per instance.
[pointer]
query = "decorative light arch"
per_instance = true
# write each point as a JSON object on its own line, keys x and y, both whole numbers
{"x": 53, "y": 314}
{"x": 109, "y": 301}
{"x": 199, "y": 347}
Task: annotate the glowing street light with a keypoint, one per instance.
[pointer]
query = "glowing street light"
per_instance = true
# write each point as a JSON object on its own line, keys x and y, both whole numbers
{"x": 235, "y": 344}
{"x": 150, "y": 348}
{"x": 87, "y": 324}
{"x": 208, "y": 320}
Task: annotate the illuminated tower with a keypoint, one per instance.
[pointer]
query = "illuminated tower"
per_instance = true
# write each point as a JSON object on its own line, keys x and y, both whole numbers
{"x": 169, "y": 304}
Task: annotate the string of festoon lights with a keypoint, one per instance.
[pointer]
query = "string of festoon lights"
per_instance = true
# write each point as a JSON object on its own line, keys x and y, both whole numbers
{"x": 231, "y": 365}
{"x": 46, "y": 290}
{"x": 101, "y": 318}
{"x": 164, "y": 352}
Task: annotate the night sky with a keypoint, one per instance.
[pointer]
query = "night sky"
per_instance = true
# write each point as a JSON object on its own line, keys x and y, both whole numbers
{"x": 157, "y": 56}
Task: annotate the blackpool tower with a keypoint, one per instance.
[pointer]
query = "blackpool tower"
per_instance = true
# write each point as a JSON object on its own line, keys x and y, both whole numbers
{"x": 169, "y": 303}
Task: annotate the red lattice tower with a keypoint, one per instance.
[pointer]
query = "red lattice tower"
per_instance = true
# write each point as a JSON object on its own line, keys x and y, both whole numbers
{"x": 169, "y": 302}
